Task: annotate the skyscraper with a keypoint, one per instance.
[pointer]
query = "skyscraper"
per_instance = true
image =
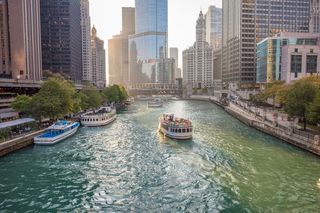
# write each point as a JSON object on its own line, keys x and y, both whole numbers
{"x": 245, "y": 23}
{"x": 198, "y": 59}
{"x": 118, "y": 49}
{"x": 86, "y": 41}
{"x": 174, "y": 54}
{"x": 149, "y": 43}
{"x": 214, "y": 27}
{"x": 315, "y": 16}
{"x": 61, "y": 37}
{"x": 20, "y": 39}
{"x": 98, "y": 60}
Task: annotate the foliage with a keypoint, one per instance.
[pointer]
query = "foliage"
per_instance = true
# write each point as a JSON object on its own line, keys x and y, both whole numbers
{"x": 115, "y": 93}
{"x": 22, "y": 104}
{"x": 4, "y": 134}
{"x": 313, "y": 110}
{"x": 299, "y": 98}
{"x": 90, "y": 98}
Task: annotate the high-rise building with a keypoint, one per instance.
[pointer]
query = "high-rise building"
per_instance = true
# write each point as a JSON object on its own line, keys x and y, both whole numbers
{"x": 61, "y": 37}
{"x": 98, "y": 60}
{"x": 214, "y": 27}
{"x": 149, "y": 43}
{"x": 20, "y": 39}
{"x": 174, "y": 54}
{"x": 198, "y": 59}
{"x": 5, "y": 71}
{"x": 118, "y": 49}
{"x": 315, "y": 16}
{"x": 245, "y": 23}
{"x": 86, "y": 41}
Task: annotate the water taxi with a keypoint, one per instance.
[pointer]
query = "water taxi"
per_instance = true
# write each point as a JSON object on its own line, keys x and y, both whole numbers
{"x": 156, "y": 103}
{"x": 59, "y": 131}
{"x": 101, "y": 117}
{"x": 176, "y": 128}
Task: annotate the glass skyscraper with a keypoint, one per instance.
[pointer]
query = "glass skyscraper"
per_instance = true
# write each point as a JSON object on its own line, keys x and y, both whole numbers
{"x": 148, "y": 46}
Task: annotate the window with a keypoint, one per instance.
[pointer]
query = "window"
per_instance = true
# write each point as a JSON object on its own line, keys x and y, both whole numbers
{"x": 296, "y": 62}
{"x": 312, "y": 63}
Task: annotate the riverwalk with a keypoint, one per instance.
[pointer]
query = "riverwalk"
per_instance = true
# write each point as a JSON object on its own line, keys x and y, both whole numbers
{"x": 18, "y": 143}
{"x": 270, "y": 123}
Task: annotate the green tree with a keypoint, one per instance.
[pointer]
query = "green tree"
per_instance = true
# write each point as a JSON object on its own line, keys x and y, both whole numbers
{"x": 54, "y": 100}
{"x": 123, "y": 93}
{"x": 22, "y": 104}
{"x": 313, "y": 111}
{"x": 90, "y": 98}
{"x": 112, "y": 94}
{"x": 299, "y": 98}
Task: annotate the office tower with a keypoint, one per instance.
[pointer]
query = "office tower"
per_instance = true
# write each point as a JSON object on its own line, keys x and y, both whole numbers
{"x": 5, "y": 71}
{"x": 86, "y": 41}
{"x": 20, "y": 39}
{"x": 149, "y": 43}
{"x": 174, "y": 54}
{"x": 98, "y": 60}
{"x": 315, "y": 16}
{"x": 214, "y": 27}
{"x": 198, "y": 59}
{"x": 118, "y": 49}
{"x": 245, "y": 23}
{"x": 61, "y": 37}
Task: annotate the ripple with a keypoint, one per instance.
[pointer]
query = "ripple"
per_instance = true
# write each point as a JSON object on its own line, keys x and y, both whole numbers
{"x": 128, "y": 167}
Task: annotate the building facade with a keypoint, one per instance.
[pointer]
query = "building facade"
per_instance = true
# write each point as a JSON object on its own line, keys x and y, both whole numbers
{"x": 314, "y": 16}
{"x": 246, "y": 23}
{"x": 98, "y": 60}
{"x": 86, "y": 41}
{"x": 149, "y": 43}
{"x": 20, "y": 39}
{"x": 269, "y": 53}
{"x": 300, "y": 60}
{"x": 61, "y": 37}
{"x": 198, "y": 59}
{"x": 118, "y": 49}
{"x": 214, "y": 27}
{"x": 174, "y": 54}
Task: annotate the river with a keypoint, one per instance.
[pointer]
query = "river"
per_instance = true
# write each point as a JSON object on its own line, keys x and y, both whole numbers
{"x": 128, "y": 166}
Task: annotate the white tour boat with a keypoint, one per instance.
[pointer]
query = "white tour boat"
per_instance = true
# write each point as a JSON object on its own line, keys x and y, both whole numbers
{"x": 101, "y": 117}
{"x": 156, "y": 103}
{"x": 176, "y": 128}
{"x": 59, "y": 131}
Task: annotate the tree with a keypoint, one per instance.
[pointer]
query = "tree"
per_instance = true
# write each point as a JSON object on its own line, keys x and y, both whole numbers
{"x": 313, "y": 111}
{"x": 123, "y": 93}
{"x": 299, "y": 98}
{"x": 112, "y": 94}
{"x": 90, "y": 98}
{"x": 54, "y": 100}
{"x": 22, "y": 104}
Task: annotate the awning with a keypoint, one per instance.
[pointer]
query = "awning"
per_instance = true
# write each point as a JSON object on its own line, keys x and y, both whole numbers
{"x": 16, "y": 122}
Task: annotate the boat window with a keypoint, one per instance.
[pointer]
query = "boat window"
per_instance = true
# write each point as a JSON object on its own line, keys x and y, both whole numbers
{"x": 179, "y": 130}
{"x": 184, "y": 130}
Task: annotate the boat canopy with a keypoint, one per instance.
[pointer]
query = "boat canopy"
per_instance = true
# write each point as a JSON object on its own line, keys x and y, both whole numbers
{"x": 59, "y": 125}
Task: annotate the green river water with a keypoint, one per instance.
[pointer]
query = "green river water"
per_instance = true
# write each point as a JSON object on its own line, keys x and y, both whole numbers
{"x": 129, "y": 167}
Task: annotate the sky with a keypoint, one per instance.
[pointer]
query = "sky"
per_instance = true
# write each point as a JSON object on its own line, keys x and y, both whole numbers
{"x": 106, "y": 16}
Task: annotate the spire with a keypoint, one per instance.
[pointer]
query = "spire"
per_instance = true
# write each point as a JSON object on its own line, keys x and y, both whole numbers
{"x": 94, "y": 31}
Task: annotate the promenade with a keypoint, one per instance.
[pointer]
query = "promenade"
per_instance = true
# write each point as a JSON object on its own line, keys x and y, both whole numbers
{"x": 271, "y": 122}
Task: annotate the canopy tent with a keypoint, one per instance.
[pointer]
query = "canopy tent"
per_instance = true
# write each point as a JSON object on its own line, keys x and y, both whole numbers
{"x": 16, "y": 123}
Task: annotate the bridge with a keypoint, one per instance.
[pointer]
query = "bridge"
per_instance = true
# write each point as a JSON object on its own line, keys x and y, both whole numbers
{"x": 155, "y": 89}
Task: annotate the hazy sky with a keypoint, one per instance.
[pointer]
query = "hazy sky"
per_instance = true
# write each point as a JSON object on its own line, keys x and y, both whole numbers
{"x": 106, "y": 16}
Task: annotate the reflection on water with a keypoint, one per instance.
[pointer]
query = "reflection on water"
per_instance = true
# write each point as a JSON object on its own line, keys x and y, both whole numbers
{"x": 128, "y": 166}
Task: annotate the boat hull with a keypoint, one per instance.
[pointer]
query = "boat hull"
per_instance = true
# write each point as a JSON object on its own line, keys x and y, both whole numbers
{"x": 99, "y": 123}
{"x": 155, "y": 106}
{"x": 173, "y": 135}
{"x": 52, "y": 141}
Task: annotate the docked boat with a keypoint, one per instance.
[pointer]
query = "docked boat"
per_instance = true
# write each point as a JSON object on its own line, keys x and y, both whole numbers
{"x": 101, "y": 117}
{"x": 176, "y": 128}
{"x": 156, "y": 103}
{"x": 143, "y": 98}
{"x": 59, "y": 131}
